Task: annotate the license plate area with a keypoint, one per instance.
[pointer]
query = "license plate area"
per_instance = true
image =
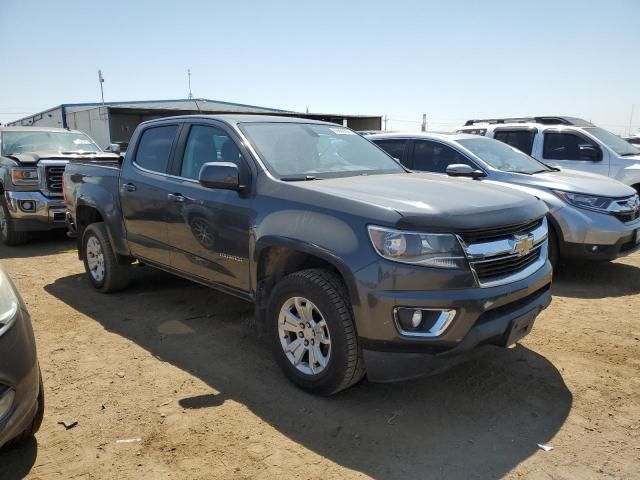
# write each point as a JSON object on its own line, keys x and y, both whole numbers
{"x": 519, "y": 328}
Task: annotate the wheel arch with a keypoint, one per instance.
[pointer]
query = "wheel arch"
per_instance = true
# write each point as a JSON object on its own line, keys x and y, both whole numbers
{"x": 276, "y": 257}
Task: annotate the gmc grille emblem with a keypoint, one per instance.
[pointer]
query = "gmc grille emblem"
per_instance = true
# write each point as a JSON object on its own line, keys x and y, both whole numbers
{"x": 522, "y": 244}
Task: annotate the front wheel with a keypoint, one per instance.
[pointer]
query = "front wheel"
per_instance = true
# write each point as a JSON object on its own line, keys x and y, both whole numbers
{"x": 104, "y": 270}
{"x": 8, "y": 234}
{"x": 312, "y": 332}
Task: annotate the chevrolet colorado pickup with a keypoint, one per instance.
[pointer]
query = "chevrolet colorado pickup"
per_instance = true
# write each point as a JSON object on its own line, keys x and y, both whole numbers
{"x": 31, "y": 164}
{"x": 355, "y": 265}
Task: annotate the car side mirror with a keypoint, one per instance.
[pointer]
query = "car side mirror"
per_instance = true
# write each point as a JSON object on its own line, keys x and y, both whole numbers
{"x": 462, "y": 170}
{"x": 220, "y": 175}
{"x": 589, "y": 152}
{"x": 113, "y": 148}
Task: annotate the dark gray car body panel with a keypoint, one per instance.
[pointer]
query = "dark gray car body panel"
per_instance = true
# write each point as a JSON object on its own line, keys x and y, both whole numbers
{"x": 324, "y": 218}
{"x": 19, "y": 370}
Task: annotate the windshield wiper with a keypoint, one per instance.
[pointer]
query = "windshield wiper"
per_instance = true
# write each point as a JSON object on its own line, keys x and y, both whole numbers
{"x": 79, "y": 152}
{"x": 631, "y": 154}
{"x": 298, "y": 178}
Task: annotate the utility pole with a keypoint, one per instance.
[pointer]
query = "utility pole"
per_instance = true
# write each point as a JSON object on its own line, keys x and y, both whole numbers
{"x": 189, "y": 75}
{"x": 424, "y": 122}
{"x": 385, "y": 123}
{"x": 630, "y": 120}
{"x": 101, "y": 81}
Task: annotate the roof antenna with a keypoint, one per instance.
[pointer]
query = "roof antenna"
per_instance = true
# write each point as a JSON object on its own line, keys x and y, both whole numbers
{"x": 190, "y": 97}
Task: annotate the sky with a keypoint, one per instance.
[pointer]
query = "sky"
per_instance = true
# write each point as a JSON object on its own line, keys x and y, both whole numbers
{"x": 451, "y": 60}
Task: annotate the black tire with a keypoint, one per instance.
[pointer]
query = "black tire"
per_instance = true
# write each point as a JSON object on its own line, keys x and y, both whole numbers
{"x": 116, "y": 274}
{"x": 327, "y": 291}
{"x": 34, "y": 426}
{"x": 8, "y": 235}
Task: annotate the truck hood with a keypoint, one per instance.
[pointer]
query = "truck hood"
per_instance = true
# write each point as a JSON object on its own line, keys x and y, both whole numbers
{"x": 434, "y": 202}
{"x": 35, "y": 157}
{"x": 575, "y": 181}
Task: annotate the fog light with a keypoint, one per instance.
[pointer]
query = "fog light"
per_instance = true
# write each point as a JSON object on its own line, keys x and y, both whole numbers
{"x": 28, "y": 206}
{"x": 422, "y": 322}
{"x": 416, "y": 319}
{"x": 6, "y": 400}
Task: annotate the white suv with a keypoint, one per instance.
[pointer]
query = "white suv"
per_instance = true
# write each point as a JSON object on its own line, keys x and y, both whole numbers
{"x": 565, "y": 142}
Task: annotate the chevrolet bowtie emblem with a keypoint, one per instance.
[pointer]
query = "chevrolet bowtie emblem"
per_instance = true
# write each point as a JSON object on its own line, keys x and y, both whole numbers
{"x": 522, "y": 244}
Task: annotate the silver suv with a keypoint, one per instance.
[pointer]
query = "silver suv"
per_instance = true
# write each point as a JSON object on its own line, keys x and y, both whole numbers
{"x": 591, "y": 216}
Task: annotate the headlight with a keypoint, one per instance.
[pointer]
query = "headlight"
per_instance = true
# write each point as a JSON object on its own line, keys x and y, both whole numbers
{"x": 25, "y": 176}
{"x": 590, "y": 202}
{"x": 441, "y": 250}
{"x": 9, "y": 303}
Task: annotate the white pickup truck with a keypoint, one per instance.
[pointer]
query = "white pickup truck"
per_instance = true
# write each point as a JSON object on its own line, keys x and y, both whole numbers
{"x": 565, "y": 142}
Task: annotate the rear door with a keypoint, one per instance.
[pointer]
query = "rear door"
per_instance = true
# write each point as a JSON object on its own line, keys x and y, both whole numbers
{"x": 435, "y": 157}
{"x": 208, "y": 229}
{"x": 143, "y": 196}
{"x": 396, "y": 147}
{"x": 520, "y": 138}
{"x": 570, "y": 149}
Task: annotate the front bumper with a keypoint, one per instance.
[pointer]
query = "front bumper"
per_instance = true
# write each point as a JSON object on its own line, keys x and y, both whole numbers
{"x": 594, "y": 236}
{"x": 19, "y": 372}
{"x": 483, "y": 316}
{"x": 47, "y": 213}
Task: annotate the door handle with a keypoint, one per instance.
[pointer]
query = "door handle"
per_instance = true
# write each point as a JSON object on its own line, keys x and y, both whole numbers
{"x": 130, "y": 187}
{"x": 176, "y": 197}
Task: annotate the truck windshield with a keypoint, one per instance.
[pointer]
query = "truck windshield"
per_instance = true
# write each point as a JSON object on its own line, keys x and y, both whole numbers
{"x": 307, "y": 151}
{"x": 44, "y": 141}
{"x": 502, "y": 156}
{"x": 614, "y": 142}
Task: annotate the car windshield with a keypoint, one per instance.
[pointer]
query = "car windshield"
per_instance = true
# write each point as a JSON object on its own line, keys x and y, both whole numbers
{"x": 316, "y": 151}
{"x": 502, "y": 156}
{"x": 44, "y": 141}
{"x": 614, "y": 142}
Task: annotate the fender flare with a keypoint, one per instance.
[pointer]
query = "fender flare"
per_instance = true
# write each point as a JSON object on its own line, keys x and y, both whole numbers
{"x": 309, "y": 249}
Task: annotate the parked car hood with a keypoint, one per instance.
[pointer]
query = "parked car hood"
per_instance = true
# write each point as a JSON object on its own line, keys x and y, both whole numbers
{"x": 434, "y": 202}
{"x": 35, "y": 157}
{"x": 575, "y": 181}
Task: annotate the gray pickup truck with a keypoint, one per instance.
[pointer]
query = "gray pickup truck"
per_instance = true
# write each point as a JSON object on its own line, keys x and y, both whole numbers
{"x": 31, "y": 165}
{"x": 355, "y": 264}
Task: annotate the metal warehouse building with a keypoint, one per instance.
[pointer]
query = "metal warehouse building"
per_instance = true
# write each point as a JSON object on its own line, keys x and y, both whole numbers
{"x": 114, "y": 122}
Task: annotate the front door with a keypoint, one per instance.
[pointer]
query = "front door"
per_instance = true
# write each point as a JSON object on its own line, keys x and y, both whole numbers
{"x": 208, "y": 229}
{"x": 574, "y": 151}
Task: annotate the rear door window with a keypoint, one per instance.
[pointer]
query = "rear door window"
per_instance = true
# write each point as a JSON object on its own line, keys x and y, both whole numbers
{"x": 520, "y": 139}
{"x": 155, "y": 147}
{"x": 396, "y": 148}
{"x": 435, "y": 157}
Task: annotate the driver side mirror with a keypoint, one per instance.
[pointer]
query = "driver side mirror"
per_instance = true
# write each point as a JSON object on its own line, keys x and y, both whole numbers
{"x": 462, "y": 170}
{"x": 220, "y": 175}
{"x": 589, "y": 152}
{"x": 113, "y": 148}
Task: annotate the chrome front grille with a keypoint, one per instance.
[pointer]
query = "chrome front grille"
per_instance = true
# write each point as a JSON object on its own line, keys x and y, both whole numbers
{"x": 53, "y": 178}
{"x": 627, "y": 209}
{"x": 513, "y": 254}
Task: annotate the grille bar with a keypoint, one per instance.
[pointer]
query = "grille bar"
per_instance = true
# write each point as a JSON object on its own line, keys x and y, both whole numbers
{"x": 53, "y": 175}
{"x": 481, "y": 236}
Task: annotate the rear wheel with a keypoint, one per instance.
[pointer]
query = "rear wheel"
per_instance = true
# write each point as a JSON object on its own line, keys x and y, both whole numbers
{"x": 8, "y": 234}
{"x": 312, "y": 332}
{"x": 103, "y": 268}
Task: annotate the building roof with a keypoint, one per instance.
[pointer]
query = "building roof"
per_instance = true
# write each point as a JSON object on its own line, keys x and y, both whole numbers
{"x": 177, "y": 104}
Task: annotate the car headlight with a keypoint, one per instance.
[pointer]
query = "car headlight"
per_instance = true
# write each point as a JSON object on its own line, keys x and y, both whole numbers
{"x": 441, "y": 250}
{"x": 9, "y": 303}
{"x": 25, "y": 176}
{"x": 590, "y": 202}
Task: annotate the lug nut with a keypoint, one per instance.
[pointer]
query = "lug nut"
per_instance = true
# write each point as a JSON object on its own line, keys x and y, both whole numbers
{"x": 313, "y": 342}
{"x": 309, "y": 325}
{"x": 306, "y": 342}
{"x": 300, "y": 334}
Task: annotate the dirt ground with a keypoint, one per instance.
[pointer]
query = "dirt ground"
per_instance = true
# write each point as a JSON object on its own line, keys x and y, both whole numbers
{"x": 180, "y": 367}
